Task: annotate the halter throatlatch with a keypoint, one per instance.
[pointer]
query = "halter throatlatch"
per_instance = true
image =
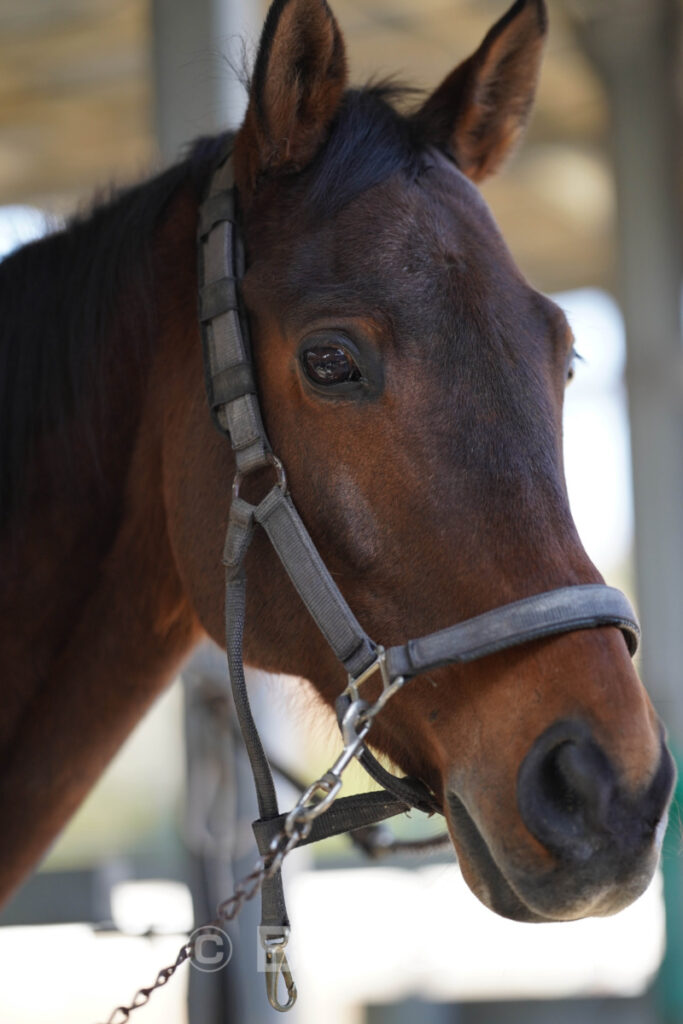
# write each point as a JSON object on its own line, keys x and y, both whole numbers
{"x": 235, "y": 409}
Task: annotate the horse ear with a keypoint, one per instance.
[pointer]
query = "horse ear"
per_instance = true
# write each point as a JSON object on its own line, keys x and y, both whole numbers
{"x": 479, "y": 111}
{"x": 296, "y": 88}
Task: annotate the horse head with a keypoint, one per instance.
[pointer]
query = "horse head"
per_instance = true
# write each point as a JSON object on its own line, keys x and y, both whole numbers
{"x": 412, "y": 382}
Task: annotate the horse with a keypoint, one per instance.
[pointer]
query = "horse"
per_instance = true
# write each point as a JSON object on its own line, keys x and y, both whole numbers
{"x": 411, "y": 381}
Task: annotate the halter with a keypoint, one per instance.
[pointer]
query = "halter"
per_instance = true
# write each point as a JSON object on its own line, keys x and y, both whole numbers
{"x": 232, "y": 396}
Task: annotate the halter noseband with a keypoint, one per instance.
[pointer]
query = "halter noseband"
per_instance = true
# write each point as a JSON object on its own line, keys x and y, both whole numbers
{"x": 235, "y": 409}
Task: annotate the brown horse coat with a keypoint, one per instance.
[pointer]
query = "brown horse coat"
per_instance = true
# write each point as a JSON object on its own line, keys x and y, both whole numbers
{"x": 434, "y": 490}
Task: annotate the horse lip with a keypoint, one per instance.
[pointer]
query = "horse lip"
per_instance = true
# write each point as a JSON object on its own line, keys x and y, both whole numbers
{"x": 502, "y": 895}
{"x": 494, "y": 889}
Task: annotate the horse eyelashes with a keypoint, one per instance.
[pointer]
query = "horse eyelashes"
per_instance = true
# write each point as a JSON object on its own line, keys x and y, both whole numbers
{"x": 574, "y": 358}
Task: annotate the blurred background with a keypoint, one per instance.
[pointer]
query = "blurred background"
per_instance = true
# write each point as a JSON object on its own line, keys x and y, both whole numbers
{"x": 94, "y": 92}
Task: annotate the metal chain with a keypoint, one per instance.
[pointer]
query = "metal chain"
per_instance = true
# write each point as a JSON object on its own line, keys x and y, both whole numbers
{"x": 122, "y": 1013}
{"x": 298, "y": 823}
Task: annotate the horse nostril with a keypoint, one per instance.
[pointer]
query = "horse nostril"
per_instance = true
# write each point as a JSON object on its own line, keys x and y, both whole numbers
{"x": 576, "y": 781}
{"x": 564, "y": 790}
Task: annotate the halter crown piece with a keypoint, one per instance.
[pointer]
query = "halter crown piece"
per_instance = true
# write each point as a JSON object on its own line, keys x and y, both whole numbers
{"x": 235, "y": 409}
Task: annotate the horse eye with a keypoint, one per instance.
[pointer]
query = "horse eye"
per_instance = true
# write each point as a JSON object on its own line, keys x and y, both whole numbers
{"x": 574, "y": 357}
{"x": 329, "y": 364}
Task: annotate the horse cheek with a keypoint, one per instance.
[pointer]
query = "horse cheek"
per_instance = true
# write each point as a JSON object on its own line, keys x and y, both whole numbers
{"x": 198, "y": 468}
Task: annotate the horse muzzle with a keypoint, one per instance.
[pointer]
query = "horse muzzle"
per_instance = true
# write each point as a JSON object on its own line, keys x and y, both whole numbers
{"x": 583, "y": 845}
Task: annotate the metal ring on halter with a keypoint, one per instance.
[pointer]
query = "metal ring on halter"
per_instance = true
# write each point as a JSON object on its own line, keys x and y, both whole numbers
{"x": 281, "y": 480}
{"x": 308, "y": 808}
{"x": 389, "y": 685}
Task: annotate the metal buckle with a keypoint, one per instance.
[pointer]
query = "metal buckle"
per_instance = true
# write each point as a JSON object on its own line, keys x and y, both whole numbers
{"x": 389, "y": 686}
{"x": 272, "y": 460}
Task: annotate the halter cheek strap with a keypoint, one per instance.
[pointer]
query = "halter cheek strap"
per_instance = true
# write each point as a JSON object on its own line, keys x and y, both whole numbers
{"x": 234, "y": 406}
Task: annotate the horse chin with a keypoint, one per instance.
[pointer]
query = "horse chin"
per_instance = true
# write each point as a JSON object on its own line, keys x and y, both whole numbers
{"x": 479, "y": 869}
{"x": 548, "y": 897}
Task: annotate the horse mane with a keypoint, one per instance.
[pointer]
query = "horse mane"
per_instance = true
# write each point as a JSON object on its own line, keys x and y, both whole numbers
{"x": 370, "y": 140}
{"x": 59, "y": 296}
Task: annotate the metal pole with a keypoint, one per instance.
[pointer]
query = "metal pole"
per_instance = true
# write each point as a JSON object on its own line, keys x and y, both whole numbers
{"x": 199, "y": 49}
{"x": 634, "y": 45}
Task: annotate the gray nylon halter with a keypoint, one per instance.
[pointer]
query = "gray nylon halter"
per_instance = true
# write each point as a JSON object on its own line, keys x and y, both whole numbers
{"x": 234, "y": 406}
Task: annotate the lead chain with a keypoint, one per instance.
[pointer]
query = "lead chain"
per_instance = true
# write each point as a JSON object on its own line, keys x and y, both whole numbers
{"x": 355, "y": 727}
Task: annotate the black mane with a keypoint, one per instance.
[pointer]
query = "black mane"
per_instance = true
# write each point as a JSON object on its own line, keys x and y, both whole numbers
{"x": 370, "y": 140}
{"x": 58, "y": 296}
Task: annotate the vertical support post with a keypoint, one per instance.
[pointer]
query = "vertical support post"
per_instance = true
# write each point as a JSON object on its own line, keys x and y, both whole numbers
{"x": 634, "y": 46}
{"x": 198, "y": 52}
{"x": 198, "y": 49}
{"x": 211, "y": 822}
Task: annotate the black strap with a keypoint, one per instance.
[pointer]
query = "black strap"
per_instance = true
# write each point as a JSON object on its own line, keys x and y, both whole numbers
{"x": 214, "y": 210}
{"x": 346, "y": 814}
{"x": 309, "y": 574}
{"x": 273, "y": 907}
{"x": 375, "y": 840}
{"x": 406, "y": 790}
{"x": 584, "y": 606}
{"x": 231, "y": 383}
{"x": 217, "y": 297}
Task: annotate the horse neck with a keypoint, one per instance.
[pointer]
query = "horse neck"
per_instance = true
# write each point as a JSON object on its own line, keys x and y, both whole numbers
{"x": 95, "y": 618}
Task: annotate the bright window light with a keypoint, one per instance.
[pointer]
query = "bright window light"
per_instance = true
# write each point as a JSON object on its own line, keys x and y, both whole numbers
{"x": 19, "y": 225}
{"x": 596, "y": 432}
{"x": 383, "y": 934}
